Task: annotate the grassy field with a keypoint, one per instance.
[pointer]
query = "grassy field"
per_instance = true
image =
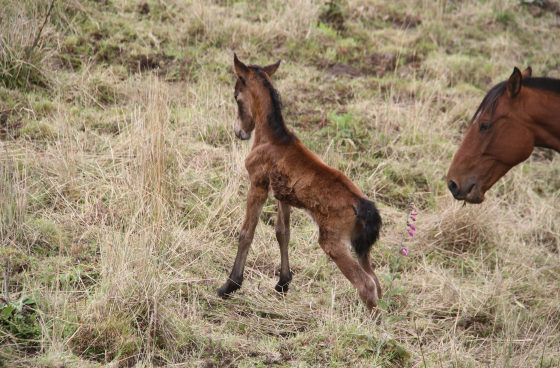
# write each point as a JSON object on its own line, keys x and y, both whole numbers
{"x": 122, "y": 185}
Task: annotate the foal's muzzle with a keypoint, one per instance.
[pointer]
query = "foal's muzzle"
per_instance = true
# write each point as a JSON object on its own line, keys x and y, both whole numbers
{"x": 240, "y": 133}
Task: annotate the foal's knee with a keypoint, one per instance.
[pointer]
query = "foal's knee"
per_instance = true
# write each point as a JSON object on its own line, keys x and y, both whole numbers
{"x": 281, "y": 233}
{"x": 244, "y": 237}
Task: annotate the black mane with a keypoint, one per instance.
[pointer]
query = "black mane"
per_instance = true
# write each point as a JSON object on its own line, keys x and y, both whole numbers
{"x": 275, "y": 119}
{"x": 491, "y": 98}
{"x": 547, "y": 84}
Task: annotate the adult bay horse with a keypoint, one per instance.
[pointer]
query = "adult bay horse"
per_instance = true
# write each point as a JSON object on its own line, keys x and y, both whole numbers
{"x": 515, "y": 116}
{"x": 279, "y": 163}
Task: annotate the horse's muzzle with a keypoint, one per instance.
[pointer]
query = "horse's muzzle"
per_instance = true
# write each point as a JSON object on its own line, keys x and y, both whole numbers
{"x": 468, "y": 192}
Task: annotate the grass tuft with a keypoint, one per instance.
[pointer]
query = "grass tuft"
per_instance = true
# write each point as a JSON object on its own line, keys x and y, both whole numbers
{"x": 460, "y": 228}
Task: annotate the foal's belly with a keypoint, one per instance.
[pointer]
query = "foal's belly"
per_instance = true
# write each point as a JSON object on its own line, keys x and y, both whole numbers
{"x": 283, "y": 191}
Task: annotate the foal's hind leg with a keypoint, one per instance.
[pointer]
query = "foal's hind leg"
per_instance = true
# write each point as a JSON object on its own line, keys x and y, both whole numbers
{"x": 366, "y": 265}
{"x": 340, "y": 254}
{"x": 283, "y": 237}
{"x": 255, "y": 200}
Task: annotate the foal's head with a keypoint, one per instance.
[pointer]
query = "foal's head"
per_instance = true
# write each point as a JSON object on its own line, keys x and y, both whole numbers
{"x": 247, "y": 89}
{"x": 497, "y": 139}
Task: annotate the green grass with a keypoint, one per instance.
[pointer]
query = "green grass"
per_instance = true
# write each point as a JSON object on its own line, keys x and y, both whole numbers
{"x": 122, "y": 186}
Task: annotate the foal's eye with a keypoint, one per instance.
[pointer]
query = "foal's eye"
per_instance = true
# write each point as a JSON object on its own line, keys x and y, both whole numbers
{"x": 484, "y": 126}
{"x": 235, "y": 95}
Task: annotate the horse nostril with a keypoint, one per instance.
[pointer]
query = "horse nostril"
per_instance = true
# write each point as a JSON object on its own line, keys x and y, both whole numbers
{"x": 453, "y": 187}
{"x": 471, "y": 186}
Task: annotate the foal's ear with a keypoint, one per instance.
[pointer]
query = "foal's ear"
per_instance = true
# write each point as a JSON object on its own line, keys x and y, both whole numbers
{"x": 240, "y": 69}
{"x": 527, "y": 72}
{"x": 271, "y": 69}
{"x": 514, "y": 83}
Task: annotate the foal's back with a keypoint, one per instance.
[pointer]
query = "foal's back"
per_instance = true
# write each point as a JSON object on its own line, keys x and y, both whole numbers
{"x": 302, "y": 178}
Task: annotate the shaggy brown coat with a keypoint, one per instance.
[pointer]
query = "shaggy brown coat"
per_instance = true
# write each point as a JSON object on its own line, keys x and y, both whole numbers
{"x": 281, "y": 164}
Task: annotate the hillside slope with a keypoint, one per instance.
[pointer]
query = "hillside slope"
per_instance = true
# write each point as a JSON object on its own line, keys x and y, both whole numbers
{"x": 122, "y": 185}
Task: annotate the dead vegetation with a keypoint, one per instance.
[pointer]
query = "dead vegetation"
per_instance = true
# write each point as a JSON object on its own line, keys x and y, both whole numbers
{"x": 122, "y": 185}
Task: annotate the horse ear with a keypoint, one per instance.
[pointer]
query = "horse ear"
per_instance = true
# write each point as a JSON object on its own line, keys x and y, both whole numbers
{"x": 240, "y": 69}
{"x": 514, "y": 83}
{"x": 271, "y": 69}
{"x": 527, "y": 72}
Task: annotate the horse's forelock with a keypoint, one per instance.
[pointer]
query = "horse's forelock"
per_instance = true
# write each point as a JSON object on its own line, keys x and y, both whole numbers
{"x": 490, "y": 100}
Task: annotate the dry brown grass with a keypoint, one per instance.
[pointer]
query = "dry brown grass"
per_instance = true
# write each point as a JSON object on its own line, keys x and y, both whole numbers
{"x": 122, "y": 187}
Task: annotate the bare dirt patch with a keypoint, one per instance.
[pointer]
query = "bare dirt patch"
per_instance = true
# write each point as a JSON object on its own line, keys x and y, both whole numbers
{"x": 375, "y": 64}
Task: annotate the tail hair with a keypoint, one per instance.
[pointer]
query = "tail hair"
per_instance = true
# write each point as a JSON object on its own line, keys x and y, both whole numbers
{"x": 368, "y": 225}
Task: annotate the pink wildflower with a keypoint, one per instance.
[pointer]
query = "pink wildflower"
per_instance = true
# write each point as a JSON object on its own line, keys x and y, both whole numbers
{"x": 404, "y": 251}
{"x": 410, "y": 233}
{"x": 412, "y": 227}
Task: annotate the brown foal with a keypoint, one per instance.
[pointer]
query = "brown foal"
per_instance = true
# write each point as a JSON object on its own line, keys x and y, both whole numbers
{"x": 515, "y": 116}
{"x": 281, "y": 164}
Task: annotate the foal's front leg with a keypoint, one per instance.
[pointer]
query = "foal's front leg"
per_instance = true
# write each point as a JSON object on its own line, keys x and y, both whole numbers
{"x": 255, "y": 200}
{"x": 283, "y": 237}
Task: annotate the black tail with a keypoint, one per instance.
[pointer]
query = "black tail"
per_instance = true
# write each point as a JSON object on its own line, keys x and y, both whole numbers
{"x": 368, "y": 224}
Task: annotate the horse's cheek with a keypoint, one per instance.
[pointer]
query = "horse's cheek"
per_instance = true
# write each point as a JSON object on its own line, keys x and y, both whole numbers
{"x": 519, "y": 146}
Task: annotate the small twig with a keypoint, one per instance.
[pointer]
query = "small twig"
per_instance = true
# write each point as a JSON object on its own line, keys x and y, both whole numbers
{"x": 7, "y": 281}
{"x": 419, "y": 343}
{"x": 36, "y": 41}
{"x": 408, "y": 210}
{"x": 542, "y": 357}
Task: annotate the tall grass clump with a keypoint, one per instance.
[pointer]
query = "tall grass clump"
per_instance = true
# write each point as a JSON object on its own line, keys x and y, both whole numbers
{"x": 25, "y": 57}
{"x": 13, "y": 200}
{"x": 459, "y": 228}
{"x": 133, "y": 314}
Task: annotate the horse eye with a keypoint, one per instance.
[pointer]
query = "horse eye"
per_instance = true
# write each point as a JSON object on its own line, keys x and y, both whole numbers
{"x": 484, "y": 126}
{"x": 235, "y": 95}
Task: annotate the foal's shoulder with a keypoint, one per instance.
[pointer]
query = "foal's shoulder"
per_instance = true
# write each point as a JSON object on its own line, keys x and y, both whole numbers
{"x": 257, "y": 157}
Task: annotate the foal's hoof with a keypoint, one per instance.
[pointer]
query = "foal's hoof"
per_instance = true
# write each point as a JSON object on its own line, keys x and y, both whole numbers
{"x": 283, "y": 283}
{"x": 227, "y": 289}
{"x": 281, "y": 288}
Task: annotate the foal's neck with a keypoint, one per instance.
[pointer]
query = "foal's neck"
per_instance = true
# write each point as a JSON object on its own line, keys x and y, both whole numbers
{"x": 546, "y": 115}
{"x": 263, "y": 133}
{"x": 269, "y": 122}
